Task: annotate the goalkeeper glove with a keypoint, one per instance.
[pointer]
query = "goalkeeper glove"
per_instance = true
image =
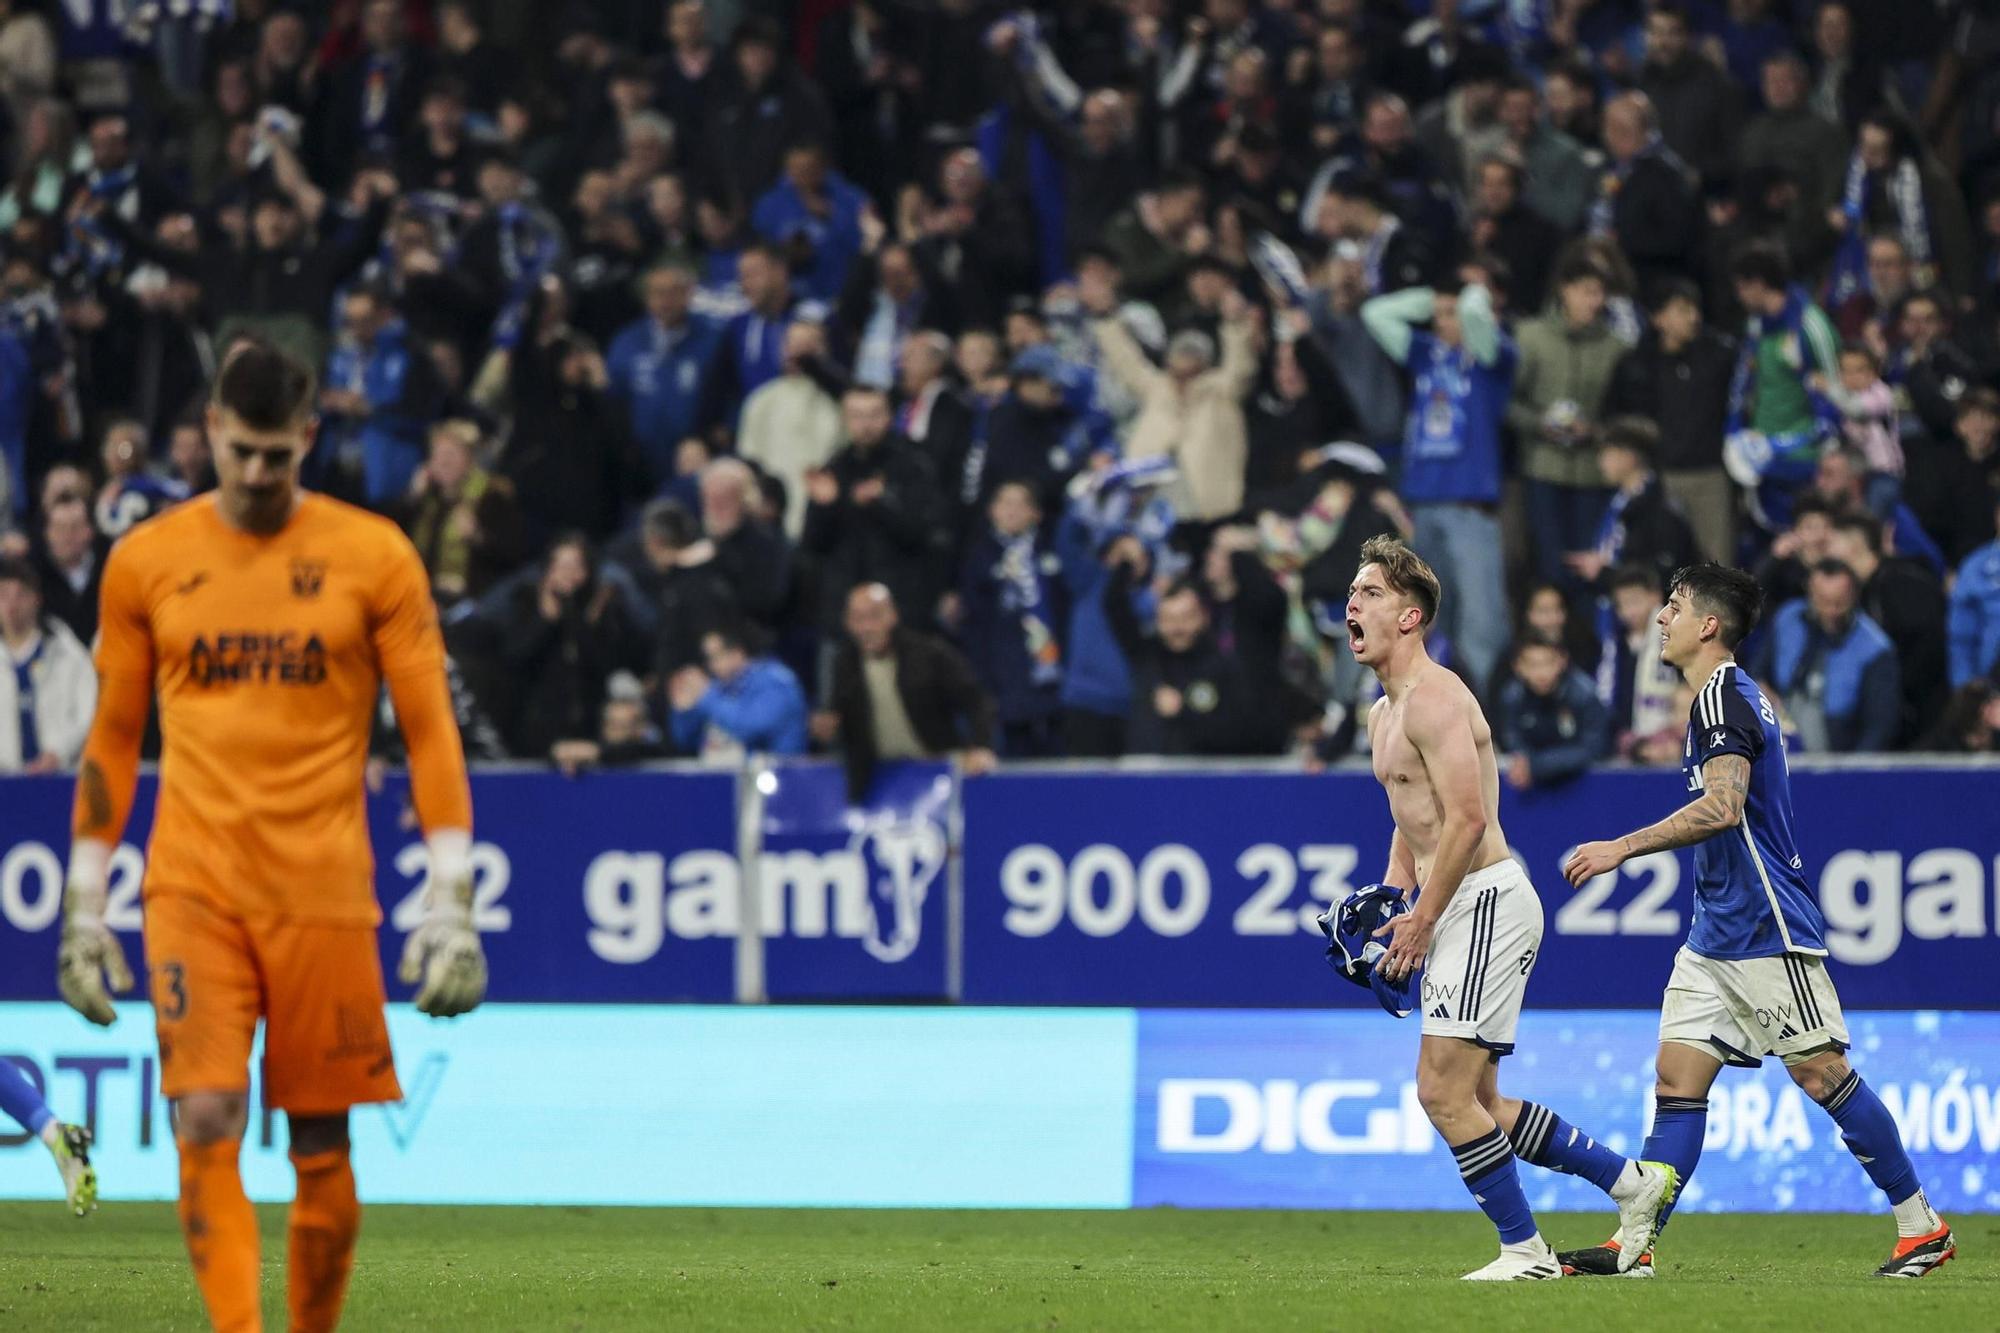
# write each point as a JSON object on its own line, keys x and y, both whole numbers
{"x": 443, "y": 951}
{"x": 90, "y": 955}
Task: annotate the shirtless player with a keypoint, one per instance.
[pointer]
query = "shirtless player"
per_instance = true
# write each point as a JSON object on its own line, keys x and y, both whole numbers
{"x": 1476, "y": 920}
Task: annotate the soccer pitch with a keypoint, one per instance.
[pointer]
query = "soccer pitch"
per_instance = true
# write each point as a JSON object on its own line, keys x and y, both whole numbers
{"x": 587, "y": 1269}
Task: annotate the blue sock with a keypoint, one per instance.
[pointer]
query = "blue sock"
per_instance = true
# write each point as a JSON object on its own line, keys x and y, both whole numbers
{"x": 18, "y": 1098}
{"x": 1487, "y": 1166}
{"x": 1678, "y": 1126}
{"x": 1546, "y": 1139}
{"x": 1870, "y": 1133}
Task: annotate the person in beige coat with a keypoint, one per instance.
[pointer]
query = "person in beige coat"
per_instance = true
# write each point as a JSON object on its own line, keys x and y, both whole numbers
{"x": 1191, "y": 411}
{"x": 1567, "y": 357}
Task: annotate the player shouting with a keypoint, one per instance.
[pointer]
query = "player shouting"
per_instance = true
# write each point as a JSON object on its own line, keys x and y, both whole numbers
{"x": 1476, "y": 917}
{"x": 267, "y": 619}
{"x": 1751, "y": 980}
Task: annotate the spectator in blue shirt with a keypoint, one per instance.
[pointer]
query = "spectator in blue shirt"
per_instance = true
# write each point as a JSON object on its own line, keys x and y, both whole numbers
{"x": 752, "y": 353}
{"x": 382, "y": 392}
{"x": 1552, "y": 725}
{"x": 1974, "y": 626}
{"x": 1461, "y": 371}
{"x": 741, "y": 702}
{"x": 1834, "y": 668}
{"x": 813, "y": 216}
{"x": 659, "y": 367}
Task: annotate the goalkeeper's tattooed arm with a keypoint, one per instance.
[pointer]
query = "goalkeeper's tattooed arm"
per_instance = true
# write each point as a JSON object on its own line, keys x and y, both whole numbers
{"x": 90, "y": 962}
{"x": 1725, "y": 787}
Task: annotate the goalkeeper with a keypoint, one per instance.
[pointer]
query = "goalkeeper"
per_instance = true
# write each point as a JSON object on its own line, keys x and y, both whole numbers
{"x": 267, "y": 620}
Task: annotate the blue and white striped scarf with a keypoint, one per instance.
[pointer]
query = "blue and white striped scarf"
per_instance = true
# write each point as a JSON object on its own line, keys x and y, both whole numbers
{"x": 1913, "y": 227}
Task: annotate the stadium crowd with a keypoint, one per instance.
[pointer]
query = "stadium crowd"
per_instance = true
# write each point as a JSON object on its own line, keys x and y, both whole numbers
{"x": 1020, "y": 380}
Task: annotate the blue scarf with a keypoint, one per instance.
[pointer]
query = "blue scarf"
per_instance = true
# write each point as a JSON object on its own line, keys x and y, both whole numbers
{"x": 527, "y": 252}
{"x": 24, "y": 697}
{"x": 1377, "y": 248}
{"x": 1024, "y": 593}
{"x": 1913, "y": 226}
{"x": 91, "y": 247}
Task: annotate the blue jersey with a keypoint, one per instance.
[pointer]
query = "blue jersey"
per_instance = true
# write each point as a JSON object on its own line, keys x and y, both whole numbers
{"x": 1451, "y": 446}
{"x": 1750, "y": 893}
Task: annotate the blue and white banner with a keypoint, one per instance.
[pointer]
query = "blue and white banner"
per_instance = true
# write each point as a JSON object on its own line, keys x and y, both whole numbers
{"x": 1101, "y": 887}
{"x": 1200, "y": 889}
{"x": 607, "y": 887}
{"x": 854, "y": 900}
{"x": 1293, "y": 1110}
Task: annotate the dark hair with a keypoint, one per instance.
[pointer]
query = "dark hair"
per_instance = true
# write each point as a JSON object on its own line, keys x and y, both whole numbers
{"x": 1761, "y": 263}
{"x": 1812, "y": 502}
{"x": 1184, "y": 585}
{"x": 667, "y": 520}
{"x": 1578, "y": 268}
{"x": 1632, "y": 433}
{"x": 447, "y": 86}
{"x": 1535, "y": 639}
{"x": 1405, "y": 572}
{"x": 1181, "y": 179}
{"x": 20, "y": 571}
{"x": 734, "y": 633}
{"x": 1668, "y": 290}
{"x": 1730, "y": 595}
{"x": 758, "y": 30}
{"x": 266, "y": 387}
{"x": 1930, "y": 296}
{"x": 1633, "y": 576}
{"x": 1864, "y": 523}
{"x": 1855, "y": 347}
{"x": 1673, "y": 10}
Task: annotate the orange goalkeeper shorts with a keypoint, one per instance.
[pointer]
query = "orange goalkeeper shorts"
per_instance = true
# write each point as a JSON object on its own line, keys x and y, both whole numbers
{"x": 317, "y": 986}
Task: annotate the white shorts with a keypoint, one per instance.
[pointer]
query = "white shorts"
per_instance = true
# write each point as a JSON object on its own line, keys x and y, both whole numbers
{"x": 1481, "y": 954}
{"x": 1740, "y": 1010}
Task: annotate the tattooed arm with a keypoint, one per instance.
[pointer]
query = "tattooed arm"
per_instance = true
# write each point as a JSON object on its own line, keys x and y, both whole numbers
{"x": 1725, "y": 787}
{"x": 109, "y": 773}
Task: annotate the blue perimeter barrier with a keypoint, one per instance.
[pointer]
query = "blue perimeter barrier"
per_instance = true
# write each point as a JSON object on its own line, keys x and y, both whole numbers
{"x": 1085, "y": 1108}
{"x": 1190, "y": 886}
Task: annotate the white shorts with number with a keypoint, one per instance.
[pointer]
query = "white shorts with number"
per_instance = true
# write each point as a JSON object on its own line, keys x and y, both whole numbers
{"x": 1481, "y": 954}
{"x": 1742, "y": 1009}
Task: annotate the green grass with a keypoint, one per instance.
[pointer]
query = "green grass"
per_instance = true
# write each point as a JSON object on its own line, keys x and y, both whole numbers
{"x": 440, "y": 1269}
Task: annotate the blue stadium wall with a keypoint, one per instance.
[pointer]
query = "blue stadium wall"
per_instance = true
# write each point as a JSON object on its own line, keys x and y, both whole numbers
{"x": 1170, "y": 1035}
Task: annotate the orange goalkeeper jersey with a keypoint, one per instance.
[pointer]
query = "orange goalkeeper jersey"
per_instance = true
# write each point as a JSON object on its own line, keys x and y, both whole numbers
{"x": 267, "y": 654}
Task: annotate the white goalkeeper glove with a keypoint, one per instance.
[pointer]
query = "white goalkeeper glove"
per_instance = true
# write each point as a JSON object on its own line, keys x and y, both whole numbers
{"x": 90, "y": 963}
{"x": 443, "y": 951}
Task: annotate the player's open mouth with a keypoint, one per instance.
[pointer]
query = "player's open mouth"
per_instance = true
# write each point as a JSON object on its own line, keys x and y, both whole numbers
{"x": 1355, "y": 634}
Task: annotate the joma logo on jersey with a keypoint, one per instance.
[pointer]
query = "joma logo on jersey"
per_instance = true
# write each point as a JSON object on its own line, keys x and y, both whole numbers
{"x": 308, "y": 577}
{"x": 264, "y": 659}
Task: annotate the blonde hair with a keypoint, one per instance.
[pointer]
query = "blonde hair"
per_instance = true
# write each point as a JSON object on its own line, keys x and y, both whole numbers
{"x": 1405, "y": 572}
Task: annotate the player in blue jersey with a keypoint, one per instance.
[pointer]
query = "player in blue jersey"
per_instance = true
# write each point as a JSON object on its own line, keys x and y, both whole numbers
{"x": 1751, "y": 980}
{"x": 1475, "y": 925}
{"x": 68, "y": 1144}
